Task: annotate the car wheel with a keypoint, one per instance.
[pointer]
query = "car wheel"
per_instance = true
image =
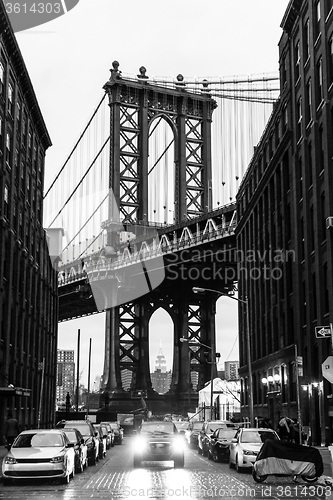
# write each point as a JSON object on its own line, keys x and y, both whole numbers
{"x": 136, "y": 461}
{"x": 257, "y": 478}
{"x": 92, "y": 460}
{"x": 179, "y": 462}
{"x": 238, "y": 467}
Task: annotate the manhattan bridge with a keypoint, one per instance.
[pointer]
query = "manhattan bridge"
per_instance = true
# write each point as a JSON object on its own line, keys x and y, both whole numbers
{"x": 146, "y": 203}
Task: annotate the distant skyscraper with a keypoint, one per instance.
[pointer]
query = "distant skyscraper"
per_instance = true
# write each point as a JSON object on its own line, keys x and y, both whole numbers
{"x": 231, "y": 370}
{"x": 161, "y": 378}
{"x": 65, "y": 375}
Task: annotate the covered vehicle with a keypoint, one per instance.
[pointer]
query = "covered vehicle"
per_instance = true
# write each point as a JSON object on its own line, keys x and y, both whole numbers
{"x": 246, "y": 445}
{"x": 39, "y": 453}
{"x": 219, "y": 444}
{"x": 281, "y": 458}
{"x": 158, "y": 441}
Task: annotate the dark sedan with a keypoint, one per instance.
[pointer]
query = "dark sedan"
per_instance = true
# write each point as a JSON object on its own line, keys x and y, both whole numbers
{"x": 218, "y": 445}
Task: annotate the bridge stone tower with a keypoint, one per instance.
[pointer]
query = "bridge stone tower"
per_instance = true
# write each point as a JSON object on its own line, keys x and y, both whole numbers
{"x": 135, "y": 106}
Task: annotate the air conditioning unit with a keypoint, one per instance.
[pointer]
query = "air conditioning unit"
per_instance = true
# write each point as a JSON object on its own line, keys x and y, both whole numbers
{"x": 329, "y": 222}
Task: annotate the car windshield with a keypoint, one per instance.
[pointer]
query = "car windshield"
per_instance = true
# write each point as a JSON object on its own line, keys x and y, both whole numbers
{"x": 82, "y": 427}
{"x": 158, "y": 428}
{"x": 71, "y": 435}
{"x": 212, "y": 427}
{"x": 226, "y": 433}
{"x": 38, "y": 440}
{"x": 197, "y": 425}
{"x": 257, "y": 436}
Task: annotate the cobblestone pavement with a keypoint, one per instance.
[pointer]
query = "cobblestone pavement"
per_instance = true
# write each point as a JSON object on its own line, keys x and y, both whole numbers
{"x": 114, "y": 478}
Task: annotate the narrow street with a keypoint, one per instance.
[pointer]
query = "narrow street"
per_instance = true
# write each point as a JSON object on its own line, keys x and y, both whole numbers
{"x": 115, "y": 478}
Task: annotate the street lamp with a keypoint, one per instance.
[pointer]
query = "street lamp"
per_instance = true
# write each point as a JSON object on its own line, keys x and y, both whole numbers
{"x": 248, "y": 343}
{"x": 212, "y": 363}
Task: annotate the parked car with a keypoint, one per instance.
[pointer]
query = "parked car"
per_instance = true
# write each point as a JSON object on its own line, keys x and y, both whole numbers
{"x": 207, "y": 430}
{"x": 90, "y": 436}
{"x": 102, "y": 432}
{"x": 39, "y": 453}
{"x": 246, "y": 444}
{"x": 219, "y": 443}
{"x": 181, "y": 425}
{"x": 110, "y": 432}
{"x": 118, "y": 432}
{"x": 192, "y": 432}
{"x": 80, "y": 448}
{"x": 158, "y": 441}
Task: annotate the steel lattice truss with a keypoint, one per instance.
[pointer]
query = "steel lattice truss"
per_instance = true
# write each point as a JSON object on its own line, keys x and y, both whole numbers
{"x": 135, "y": 105}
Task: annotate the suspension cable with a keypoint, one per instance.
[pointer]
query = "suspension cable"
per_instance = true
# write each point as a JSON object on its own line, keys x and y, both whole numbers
{"x": 74, "y": 148}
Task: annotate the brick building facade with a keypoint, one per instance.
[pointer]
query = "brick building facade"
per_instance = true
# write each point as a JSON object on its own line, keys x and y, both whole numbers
{"x": 286, "y": 248}
{"x": 28, "y": 282}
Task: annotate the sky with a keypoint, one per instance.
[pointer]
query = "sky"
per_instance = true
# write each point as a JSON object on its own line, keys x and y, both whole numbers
{"x": 68, "y": 60}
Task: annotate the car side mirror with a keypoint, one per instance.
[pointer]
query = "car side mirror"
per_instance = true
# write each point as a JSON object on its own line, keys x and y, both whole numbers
{"x": 71, "y": 445}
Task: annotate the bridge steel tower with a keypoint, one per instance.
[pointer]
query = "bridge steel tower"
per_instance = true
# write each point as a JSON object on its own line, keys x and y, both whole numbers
{"x": 134, "y": 106}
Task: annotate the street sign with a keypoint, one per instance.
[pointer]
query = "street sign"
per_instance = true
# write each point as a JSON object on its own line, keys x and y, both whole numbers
{"x": 323, "y": 332}
{"x": 327, "y": 369}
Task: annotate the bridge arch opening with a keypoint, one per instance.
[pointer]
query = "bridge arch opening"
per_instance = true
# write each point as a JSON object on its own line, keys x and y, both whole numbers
{"x": 161, "y": 171}
{"x": 161, "y": 335}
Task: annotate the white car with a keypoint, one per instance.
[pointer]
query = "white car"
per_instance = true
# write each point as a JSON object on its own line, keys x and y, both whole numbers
{"x": 246, "y": 444}
{"x": 39, "y": 453}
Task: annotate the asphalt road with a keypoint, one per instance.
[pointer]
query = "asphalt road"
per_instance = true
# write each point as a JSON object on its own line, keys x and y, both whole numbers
{"x": 114, "y": 478}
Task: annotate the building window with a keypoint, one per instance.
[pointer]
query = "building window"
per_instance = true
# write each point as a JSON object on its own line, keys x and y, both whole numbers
{"x": 299, "y": 118}
{"x": 310, "y": 164}
{"x": 8, "y": 148}
{"x": 321, "y": 150}
{"x": 319, "y": 82}
{"x": 317, "y": 18}
{"x": 297, "y": 61}
{"x": 18, "y": 116}
{"x": 323, "y": 217}
{"x": 306, "y": 40}
{"x": 284, "y": 119}
{"x": 2, "y": 78}
{"x": 330, "y": 51}
{"x": 283, "y": 72}
{"x": 328, "y": 6}
{"x": 1, "y": 134}
{"x": 308, "y": 115}
{"x": 300, "y": 177}
{"x": 6, "y": 201}
{"x": 10, "y": 102}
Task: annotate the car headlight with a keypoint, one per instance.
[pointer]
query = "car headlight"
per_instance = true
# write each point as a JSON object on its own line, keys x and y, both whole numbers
{"x": 178, "y": 443}
{"x": 248, "y": 452}
{"x": 10, "y": 460}
{"x": 57, "y": 460}
{"x": 139, "y": 443}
